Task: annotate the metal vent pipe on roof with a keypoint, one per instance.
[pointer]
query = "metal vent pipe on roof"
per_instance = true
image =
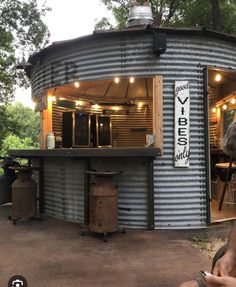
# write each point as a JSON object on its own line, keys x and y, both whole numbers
{"x": 140, "y": 15}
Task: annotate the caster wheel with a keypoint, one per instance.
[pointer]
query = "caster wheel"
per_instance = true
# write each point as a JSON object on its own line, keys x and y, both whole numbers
{"x": 9, "y": 217}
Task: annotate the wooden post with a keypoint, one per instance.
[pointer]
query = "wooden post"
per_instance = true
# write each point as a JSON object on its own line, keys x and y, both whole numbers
{"x": 158, "y": 112}
{"x": 45, "y": 122}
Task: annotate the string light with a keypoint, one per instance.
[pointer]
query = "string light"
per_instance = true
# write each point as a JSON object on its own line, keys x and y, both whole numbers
{"x": 218, "y": 77}
{"x": 131, "y": 80}
{"x": 76, "y": 84}
{"x": 116, "y": 80}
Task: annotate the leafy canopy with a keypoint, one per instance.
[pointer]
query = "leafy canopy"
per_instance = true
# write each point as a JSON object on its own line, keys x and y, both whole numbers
{"x": 22, "y": 31}
{"x": 22, "y": 122}
{"x": 176, "y": 13}
{"x": 14, "y": 142}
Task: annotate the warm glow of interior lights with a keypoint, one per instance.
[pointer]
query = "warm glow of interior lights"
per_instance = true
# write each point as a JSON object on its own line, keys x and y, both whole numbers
{"x": 116, "y": 80}
{"x": 224, "y": 107}
{"x": 131, "y": 80}
{"x": 218, "y": 77}
{"x": 115, "y": 108}
{"x": 62, "y": 99}
{"x": 76, "y": 84}
{"x": 95, "y": 107}
{"x": 233, "y": 101}
{"x": 79, "y": 103}
{"x": 213, "y": 110}
{"x": 53, "y": 99}
{"x": 140, "y": 105}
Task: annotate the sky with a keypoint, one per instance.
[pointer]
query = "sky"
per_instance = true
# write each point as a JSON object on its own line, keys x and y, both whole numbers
{"x": 68, "y": 19}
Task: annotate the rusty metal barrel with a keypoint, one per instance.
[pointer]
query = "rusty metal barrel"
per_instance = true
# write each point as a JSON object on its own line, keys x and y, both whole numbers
{"x": 24, "y": 194}
{"x": 6, "y": 179}
{"x": 103, "y": 203}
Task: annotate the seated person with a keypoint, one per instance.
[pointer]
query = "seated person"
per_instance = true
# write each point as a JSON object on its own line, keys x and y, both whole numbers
{"x": 224, "y": 262}
{"x": 223, "y": 269}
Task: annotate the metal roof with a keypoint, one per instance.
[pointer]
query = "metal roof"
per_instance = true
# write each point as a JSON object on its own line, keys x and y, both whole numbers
{"x": 141, "y": 29}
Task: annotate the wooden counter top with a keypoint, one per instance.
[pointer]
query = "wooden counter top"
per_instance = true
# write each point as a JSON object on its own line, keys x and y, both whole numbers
{"x": 86, "y": 152}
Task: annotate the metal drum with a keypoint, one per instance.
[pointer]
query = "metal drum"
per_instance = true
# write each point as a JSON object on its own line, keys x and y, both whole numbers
{"x": 6, "y": 180}
{"x": 140, "y": 15}
{"x": 24, "y": 195}
{"x": 103, "y": 204}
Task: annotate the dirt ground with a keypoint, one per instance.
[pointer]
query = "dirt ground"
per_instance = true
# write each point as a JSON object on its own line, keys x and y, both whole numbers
{"x": 209, "y": 240}
{"x": 52, "y": 253}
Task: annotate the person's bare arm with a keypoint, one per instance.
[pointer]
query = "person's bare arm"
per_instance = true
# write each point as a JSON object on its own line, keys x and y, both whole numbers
{"x": 227, "y": 264}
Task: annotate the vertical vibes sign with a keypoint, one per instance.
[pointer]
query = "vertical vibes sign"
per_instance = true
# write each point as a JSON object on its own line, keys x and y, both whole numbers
{"x": 181, "y": 155}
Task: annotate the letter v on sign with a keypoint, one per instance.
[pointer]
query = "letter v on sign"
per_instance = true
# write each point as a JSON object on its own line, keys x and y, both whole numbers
{"x": 181, "y": 101}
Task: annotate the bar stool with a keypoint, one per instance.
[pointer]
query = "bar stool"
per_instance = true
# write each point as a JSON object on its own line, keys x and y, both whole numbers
{"x": 24, "y": 194}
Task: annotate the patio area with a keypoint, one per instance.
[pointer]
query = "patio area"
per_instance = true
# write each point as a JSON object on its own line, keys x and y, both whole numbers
{"x": 53, "y": 253}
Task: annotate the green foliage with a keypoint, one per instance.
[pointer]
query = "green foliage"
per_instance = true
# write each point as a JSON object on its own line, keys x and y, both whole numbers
{"x": 23, "y": 122}
{"x": 3, "y": 123}
{"x": 19, "y": 127}
{"x": 199, "y": 13}
{"x": 21, "y": 31}
{"x": 178, "y": 13}
{"x": 14, "y": 142}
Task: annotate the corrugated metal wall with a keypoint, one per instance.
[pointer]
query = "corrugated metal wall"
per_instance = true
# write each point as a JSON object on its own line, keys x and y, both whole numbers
{"x": 124, "y": 127}
{"x": 180, "y": 193}
{"x": 64, "y": 188}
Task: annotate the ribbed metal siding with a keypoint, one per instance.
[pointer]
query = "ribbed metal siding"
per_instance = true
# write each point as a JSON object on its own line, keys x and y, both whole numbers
{"x": 133, "y": 189}
{"x": 97, "y": 59}
{"x": 64, "y": 189}
{"x": 124, "y": 127}
{"x": 180, "y": 194}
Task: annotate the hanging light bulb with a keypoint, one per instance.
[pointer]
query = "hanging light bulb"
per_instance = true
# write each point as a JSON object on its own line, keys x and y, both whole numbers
{"x": 218, "y": 77}
{"x": 116, "y": 80}
{"x": 131, "y": 80}
{"x": 213, "y": 110}
{"x": 224, "y": 107}
{"x": 233, "y": 101}
{"x": 76, "y": 84}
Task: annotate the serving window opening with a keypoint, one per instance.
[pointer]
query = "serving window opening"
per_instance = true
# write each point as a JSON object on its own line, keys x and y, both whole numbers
{"x": 222, "y": 112}
{"x": 110, "y": 113}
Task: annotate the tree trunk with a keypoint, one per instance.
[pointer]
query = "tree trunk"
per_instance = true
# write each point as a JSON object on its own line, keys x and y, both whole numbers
{"x": 216, "y": 21}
